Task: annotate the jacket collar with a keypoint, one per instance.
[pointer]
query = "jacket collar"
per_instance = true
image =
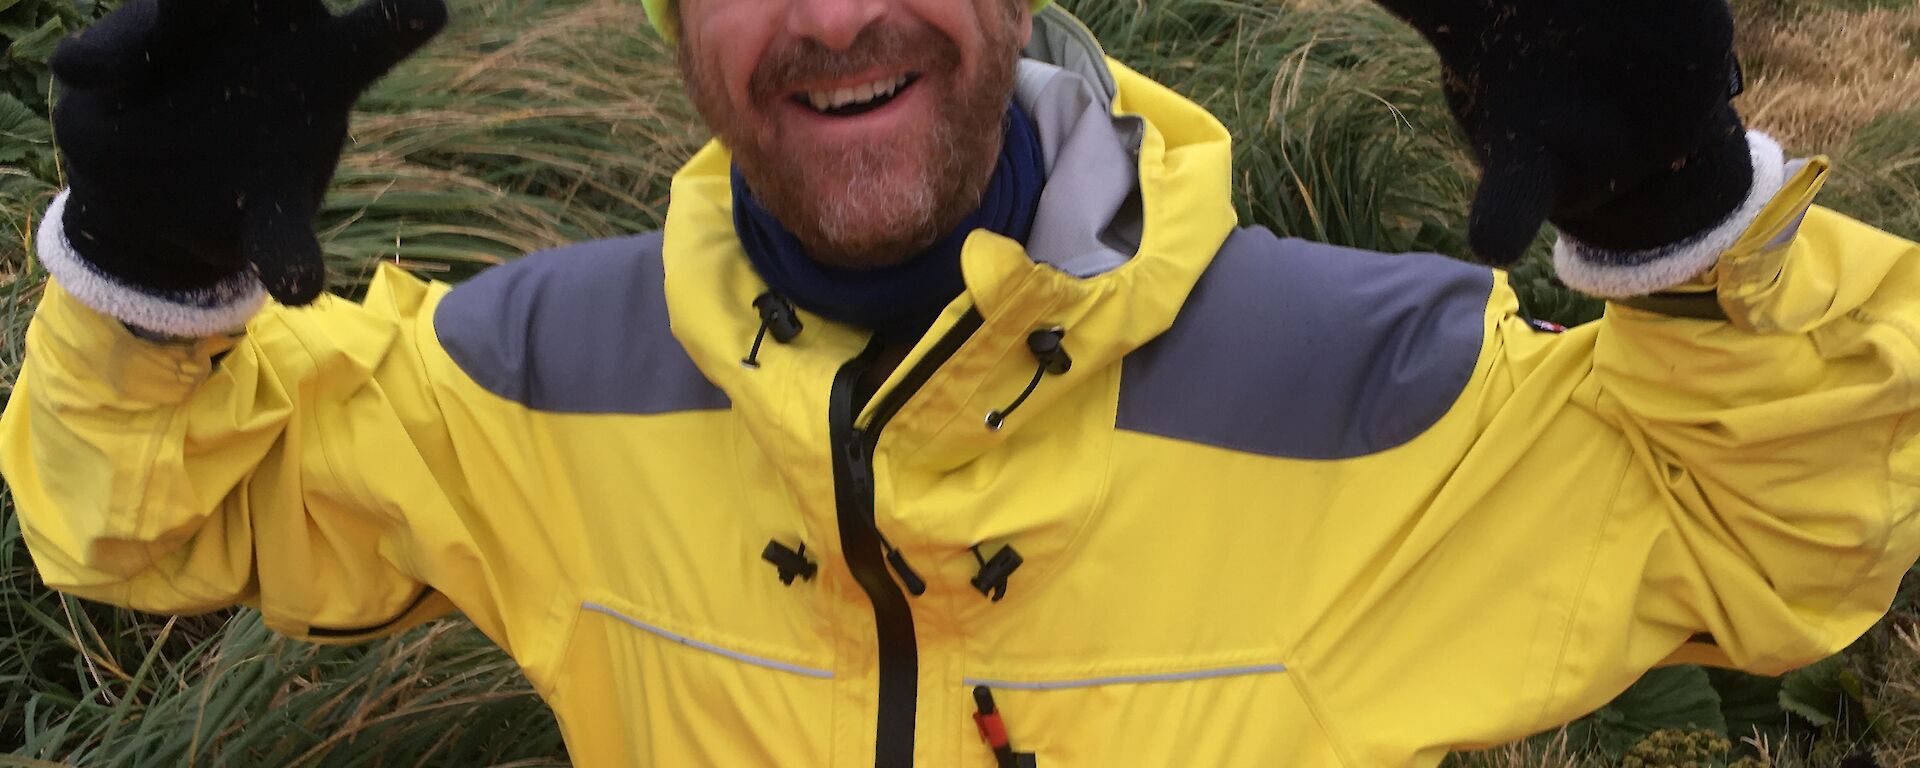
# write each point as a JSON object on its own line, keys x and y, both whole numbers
{"x": 1137, "y": 202}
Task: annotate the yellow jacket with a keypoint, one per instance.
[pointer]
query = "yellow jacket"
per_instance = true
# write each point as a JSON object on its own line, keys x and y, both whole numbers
{"x": 1291, "y": 504}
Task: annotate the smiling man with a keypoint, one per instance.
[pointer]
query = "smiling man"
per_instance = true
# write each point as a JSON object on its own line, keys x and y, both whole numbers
{"x": 872, "y": 132}
{"x": 951, "y": 420}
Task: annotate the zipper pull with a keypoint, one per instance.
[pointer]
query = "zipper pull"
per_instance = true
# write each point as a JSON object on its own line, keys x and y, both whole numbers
{"x": 915, "y": 585}
{"x": 993, "y": 731}
{"x": 859, "y": 468}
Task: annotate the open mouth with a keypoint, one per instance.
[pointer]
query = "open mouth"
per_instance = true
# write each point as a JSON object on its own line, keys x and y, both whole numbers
{"x": 856, "y": 100}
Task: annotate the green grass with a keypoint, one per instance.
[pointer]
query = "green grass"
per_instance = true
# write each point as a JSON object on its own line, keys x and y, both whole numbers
{"x": 533, "y": 123}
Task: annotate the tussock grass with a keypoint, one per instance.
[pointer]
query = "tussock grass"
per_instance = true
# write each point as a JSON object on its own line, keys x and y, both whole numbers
{"x": 510, "y": 135}
{"x": 1550, "y": 751}
{"x": 1893, "y": 690}
{"x": 1817, "y": 77}
{"x": 1333, "y": 105}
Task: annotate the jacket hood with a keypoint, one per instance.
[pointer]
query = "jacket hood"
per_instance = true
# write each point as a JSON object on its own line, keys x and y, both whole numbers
{"x": 1137, "y": 201}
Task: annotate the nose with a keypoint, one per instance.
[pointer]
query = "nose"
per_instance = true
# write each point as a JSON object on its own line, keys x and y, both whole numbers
{"x": 835, "y": 24}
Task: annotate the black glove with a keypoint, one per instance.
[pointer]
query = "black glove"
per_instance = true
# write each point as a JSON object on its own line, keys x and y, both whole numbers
{"x": 200, "y": 135}
{"x": 1611, "y": 118}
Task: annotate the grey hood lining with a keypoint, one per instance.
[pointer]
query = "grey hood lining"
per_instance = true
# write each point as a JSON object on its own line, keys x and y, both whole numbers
{"x": 1090, "y": 217}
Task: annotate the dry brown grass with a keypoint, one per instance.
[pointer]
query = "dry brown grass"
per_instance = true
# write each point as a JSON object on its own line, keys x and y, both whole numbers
{"x": 1814, "y": 74}
{"x": 1893, "y": 693}
{"x": 1555, "y": 752}
{"x": 1815, "y": 77}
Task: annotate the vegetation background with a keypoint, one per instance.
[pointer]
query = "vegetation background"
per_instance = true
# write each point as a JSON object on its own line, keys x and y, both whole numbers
{"x": 533, "y": 123}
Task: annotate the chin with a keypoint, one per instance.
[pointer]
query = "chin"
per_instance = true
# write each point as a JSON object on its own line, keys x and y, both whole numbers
{"x": 876, "y": 225}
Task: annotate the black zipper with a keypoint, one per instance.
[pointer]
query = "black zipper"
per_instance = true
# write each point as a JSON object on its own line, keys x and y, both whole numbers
{"x": 868, "y": 557}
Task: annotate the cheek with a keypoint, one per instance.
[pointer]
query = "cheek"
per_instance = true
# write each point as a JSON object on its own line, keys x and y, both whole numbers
{"x": 731, "y": 42}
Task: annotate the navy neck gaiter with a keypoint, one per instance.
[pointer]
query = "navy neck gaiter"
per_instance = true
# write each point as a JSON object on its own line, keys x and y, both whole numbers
{"x": 896, "y": 302}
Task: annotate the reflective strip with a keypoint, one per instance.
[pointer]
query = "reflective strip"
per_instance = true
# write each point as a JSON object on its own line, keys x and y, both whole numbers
{"x": 1091, "y": 682}
{"x": 743, "y": 658}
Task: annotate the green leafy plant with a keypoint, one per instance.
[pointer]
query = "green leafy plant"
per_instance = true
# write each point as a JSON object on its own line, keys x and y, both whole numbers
{"x": 1683, "y": 749}
{"x": 1671, "y": 699}
{"x": 29, "y": 31}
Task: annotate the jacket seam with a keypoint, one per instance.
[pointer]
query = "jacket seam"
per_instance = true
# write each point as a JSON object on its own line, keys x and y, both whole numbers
{"x": 1903, "y": 426}
{"x": 1098, "y": 506}
{"x": 181, "y": 581}
{"x": 548, "y": 684}
{"x": 1862, "y": 572}
{"x": 1575, "y": 609}
{"x": 1318, "y": 712}
{"x": 362, "y": 495}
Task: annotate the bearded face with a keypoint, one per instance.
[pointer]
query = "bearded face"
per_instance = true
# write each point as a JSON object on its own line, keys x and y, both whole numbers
{"x": 868, "y": 128}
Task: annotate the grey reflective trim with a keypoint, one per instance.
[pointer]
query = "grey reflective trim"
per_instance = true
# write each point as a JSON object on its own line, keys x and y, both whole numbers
{"x": 581, "y": 329}
{"x": 1092, "y": 682}
{"x": 1303, "y": 350}
{"x": 744, "y": 658}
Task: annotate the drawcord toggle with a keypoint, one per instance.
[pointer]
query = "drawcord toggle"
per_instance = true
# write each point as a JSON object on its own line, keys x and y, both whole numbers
{"x": 777, "y": 317}
{"x": 790, "y": 562}
{"x": 1050, "y": 351}
{"x": 993, "y": 731}
{"x": 992, "y": 579}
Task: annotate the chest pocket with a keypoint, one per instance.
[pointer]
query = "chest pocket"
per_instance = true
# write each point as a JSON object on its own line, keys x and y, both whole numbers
{"x": 1228, "y": 715}
{"x": 642, "y": 689}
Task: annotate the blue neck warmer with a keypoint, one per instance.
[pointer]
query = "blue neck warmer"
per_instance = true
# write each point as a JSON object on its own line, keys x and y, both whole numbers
{"x": 900, "y": 301}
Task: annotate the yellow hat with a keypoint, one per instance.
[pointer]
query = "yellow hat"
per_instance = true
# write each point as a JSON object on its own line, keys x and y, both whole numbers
{"x": 662, "y": 17}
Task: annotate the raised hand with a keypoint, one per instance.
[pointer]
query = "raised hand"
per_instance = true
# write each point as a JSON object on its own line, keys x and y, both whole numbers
{"x": 1611, "y": 118}
{"x": 200, "y": 135}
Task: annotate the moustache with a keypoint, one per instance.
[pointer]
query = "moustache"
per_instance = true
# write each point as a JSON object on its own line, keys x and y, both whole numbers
{"x": 804, "y": 61}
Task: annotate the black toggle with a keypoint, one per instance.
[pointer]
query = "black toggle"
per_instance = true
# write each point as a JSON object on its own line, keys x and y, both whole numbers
{"x": 994, "y": 572}
{"x": 778, "y": 317}
{"x": 1050, "y": 351}
{"x": 792, "y": 563}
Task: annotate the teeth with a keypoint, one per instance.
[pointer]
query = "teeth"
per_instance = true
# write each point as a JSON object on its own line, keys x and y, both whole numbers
{"x": 856, "y": 95}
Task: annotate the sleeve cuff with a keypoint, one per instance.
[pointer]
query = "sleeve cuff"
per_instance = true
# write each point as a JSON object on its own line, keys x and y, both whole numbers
{"x": 213, "y": 311}
{"x": 1624, "y": 274}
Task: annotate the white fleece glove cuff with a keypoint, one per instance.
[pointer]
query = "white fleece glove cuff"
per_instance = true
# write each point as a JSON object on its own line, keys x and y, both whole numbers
{"x": 221, "y": 309}
{"x": 1624, "y": 274}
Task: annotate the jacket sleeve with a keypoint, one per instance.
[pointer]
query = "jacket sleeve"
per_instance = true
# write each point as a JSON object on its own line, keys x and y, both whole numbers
{"x": 302, "y": 467}
{"x": 1643, "y": 490}
{"x": 1766, "y": 509}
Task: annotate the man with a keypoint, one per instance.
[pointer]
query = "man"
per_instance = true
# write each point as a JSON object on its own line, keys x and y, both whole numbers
{"x": 952, "y": 421}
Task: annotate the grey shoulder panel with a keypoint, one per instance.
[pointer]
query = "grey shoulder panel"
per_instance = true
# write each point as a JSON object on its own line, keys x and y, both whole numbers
{"x": 1303, "y": 350}
{"x": 580, "y": 329}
